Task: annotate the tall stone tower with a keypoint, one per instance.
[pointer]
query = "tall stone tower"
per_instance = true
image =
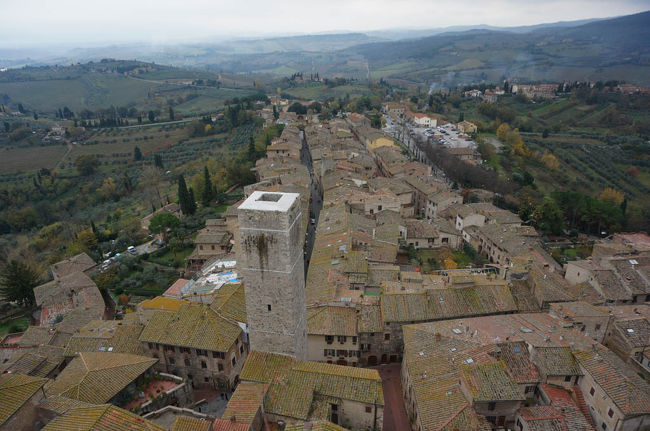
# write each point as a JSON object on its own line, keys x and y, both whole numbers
{"x": 271, "y": 261}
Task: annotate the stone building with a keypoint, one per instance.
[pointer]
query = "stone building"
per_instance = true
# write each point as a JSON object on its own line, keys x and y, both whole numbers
{"x": 197, "y": 342}
{"x": 272, "y": 265}
{"x": 617, "y": 398}
{"x": 296, "y": 392}
{"x": 332, "y": 335}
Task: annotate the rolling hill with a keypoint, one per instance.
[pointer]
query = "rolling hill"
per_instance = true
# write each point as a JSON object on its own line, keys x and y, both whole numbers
{"x": 608, "y": 49}
{"x": 107, "y": 83}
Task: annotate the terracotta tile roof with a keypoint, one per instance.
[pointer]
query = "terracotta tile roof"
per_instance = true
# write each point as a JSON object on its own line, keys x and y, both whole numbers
{"x": 101, "y": 418}
{"x": 295, "y": 386}
{"x": 635, "y": 331}
{"x": 78, "y": 263}
{"x": 32, "y": 364}
{"x": 36, "y": 335}
{"x": 187, "y": 423}
{"x": 516, "y": 357}
{"x": 102, "y": 335}
{"x": 98, "y": 377}
{"x": 491, "y": 382}
{"x": 193, "y": 325}
{"x": 245, "y": 402}
{"x": 632, "y": 274}
{"x": 447, "y": 303}
{"x": 555, "y": 361}
{"x": 174, "y": 290}
{"x": 577, "y": 419}
{"x": 62, "y": 289}
{"x": 420, "y": 229}
{"x": 59, "y": 405}
{"x": 162, "y": 303}
{"x": 314, "y": 426}
{"x": 292, "y": 395}
{"x": 225, "y": 425}
{"x": 218, "y": 238}
{"x": 15, "y": 391}
{"x": 230, "y": 302}
{"x": 610, "y": 285}
{"x": 434, "y": 368}
{"x": 330, "y": 320}
{"x": 543, "y": 418}
{"x": 629, "y": 392}
{"x": 78, "y": 317}
{"x": 264, "y": 367}
{"x": 370, "y": 318}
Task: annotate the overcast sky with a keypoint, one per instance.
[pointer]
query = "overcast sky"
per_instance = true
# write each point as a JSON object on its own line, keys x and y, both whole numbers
{"x": 84, "y": 22}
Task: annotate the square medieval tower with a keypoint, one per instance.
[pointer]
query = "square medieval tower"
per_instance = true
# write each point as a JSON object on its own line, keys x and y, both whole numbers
{"x": 271, "y": 261}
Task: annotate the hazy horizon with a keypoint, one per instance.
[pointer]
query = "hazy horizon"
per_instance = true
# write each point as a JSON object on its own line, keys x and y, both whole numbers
{"x": 73, "y": 23}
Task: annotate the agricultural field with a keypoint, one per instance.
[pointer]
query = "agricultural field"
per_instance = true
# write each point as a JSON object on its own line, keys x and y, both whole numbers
{"x": 114, "y": 148}
{"x": 95, "y": 86}
{"x": 28, "y": 158}
{"x": 318, "y": 91}
{"x": 595, "y": 143}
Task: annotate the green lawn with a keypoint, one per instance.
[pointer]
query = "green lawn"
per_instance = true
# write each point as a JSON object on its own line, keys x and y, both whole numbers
{"x": 166, "y": 257}
{"x": 431, "y": 260}
{"x": 18, "y": 324}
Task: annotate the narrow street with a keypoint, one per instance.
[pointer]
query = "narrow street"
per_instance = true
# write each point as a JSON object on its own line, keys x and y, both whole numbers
{"x": 315, "y": 203}
{"x": 395, "y": 418}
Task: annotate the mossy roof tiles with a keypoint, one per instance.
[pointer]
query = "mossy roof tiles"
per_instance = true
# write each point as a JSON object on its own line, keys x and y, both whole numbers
{"x": 97, "y": 377}
{"x": 15, "y": 391}
{"x": 101, "y": 418}
{"x": 193, "y": 325}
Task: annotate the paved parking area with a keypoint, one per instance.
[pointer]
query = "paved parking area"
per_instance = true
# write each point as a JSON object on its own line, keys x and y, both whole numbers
{"x": 451, "y": 137}
{"x": 395, "y": 418}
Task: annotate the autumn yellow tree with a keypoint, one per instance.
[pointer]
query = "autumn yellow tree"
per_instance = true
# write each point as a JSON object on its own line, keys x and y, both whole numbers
{"x": 550, "y": 161}
{"x": 513, "y": 139}
{"x": 450, "y": 264}
{"x": 85, "y": 242}
{"x": 108, "y": 190}
{"x": 612, "y": 196}
{"x": 503, "y": 131}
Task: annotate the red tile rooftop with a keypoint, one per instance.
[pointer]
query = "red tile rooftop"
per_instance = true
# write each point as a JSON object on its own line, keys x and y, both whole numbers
{"x": 227, "y": 425}
{"x": 12, "y": 338}
{"x": 174, "y": 290}
{"x": 155, "y": 387}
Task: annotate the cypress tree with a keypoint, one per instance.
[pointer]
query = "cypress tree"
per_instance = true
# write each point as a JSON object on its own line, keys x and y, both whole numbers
{"x": 157, "y": 161}
{"x": 192, "y": 201}
{"x": 127, "y": 183}
{"x": 207, "y": 197}
{"x": 184, "y": 196}
{"x": 252, "y": 155}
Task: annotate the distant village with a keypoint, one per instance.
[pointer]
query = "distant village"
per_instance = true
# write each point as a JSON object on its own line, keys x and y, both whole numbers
{"x": 299, "y": 311}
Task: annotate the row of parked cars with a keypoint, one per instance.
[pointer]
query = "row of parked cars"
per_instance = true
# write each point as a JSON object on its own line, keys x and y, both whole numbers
{"x": 111, "y": 260}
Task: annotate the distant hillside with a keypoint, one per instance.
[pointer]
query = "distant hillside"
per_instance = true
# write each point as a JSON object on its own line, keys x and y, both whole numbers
{"x": 609, "y": 49}
{"x": 107, "y": 83}
{"x": 314, "y": 43}
{"x": 397, "y": 34}
{"x": 597, "y": 50}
